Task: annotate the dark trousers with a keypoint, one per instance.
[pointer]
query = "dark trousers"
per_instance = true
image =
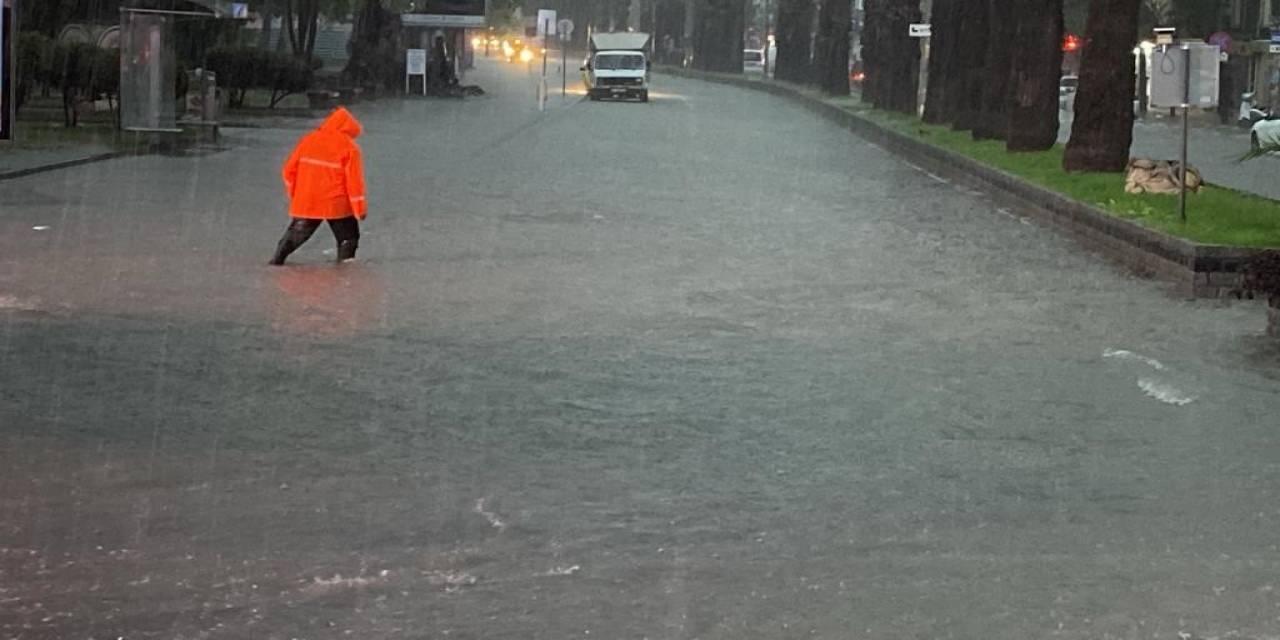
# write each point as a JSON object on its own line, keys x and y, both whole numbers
{"x": 345, "y": 230}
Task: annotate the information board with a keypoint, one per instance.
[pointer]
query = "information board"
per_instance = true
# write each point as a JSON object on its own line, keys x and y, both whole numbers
{"x": 1169, "y": 75}
{"x": 415, "y": 64}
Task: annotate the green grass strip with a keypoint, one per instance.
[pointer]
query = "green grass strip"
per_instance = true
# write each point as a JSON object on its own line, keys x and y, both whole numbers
{"x": 1216, "y": 215}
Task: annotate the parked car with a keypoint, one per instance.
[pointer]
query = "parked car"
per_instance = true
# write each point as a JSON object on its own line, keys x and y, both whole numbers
{"x": 753, "y": 61}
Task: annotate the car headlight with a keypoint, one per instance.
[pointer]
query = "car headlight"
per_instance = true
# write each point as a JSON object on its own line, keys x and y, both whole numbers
{"x": 526, "y": 55}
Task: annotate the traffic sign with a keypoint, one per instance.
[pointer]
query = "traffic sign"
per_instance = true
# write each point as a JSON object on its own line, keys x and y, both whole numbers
{"x": 565, "y": 27}
{"x": 546, "y": 23}
{"x": 1223, "y": 40}
{"x": 920, "y": 30}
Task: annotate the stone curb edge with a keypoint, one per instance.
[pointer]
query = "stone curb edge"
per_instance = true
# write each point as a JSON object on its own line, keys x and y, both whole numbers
{"x": 1196, "y": 270}
{"x": 64, "y": 164}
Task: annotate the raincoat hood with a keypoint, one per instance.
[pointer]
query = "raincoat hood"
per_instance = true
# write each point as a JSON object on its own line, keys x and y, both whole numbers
{"x": 341, "y": 121}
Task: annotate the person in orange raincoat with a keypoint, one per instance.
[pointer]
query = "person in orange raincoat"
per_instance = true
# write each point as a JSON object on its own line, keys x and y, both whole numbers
{"x": 324, "y": 178}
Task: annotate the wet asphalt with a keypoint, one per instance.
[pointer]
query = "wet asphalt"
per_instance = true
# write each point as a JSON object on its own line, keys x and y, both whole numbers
{"x": 706, "y": 367}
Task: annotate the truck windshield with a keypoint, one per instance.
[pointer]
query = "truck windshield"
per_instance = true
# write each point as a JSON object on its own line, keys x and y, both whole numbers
{"x": 617, "y": 62}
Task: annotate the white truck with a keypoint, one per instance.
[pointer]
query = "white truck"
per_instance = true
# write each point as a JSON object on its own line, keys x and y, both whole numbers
{"x": 618, "y": 66}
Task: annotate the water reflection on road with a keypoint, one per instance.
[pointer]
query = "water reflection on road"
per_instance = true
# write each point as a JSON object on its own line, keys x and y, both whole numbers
{"x": 329, "y": 301}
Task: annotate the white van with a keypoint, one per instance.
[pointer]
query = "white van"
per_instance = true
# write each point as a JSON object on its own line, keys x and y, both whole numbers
{"x": 618, "y": 66}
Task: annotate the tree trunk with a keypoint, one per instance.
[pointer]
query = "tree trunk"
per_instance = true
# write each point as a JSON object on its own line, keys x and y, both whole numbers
{"x": 264, "y": 37}
{"x": 718, "y": 36}
{"x": 374, "y": 61}
{"x": 873, "y": 14}
{"x": 942, "y": 59}
{"x": 301, "y": 20}
{"x": 891, "y": 57}
{"x": 794, "y": 57}
{"x": 1037, "y": 67}
{"x": 289, "y": 30}
{"x": 993, "y": 117}
{"x": 831, "y": 61}
{"x": 690, "y": 26}
{"x": 1103, "y": 128}
{"x": 971, "y": 64}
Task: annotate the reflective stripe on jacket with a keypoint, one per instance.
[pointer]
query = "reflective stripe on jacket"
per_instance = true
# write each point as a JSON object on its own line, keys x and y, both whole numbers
{"x": 324, "y": 176}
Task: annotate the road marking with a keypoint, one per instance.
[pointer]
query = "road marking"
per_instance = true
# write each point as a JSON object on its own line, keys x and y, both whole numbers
{"x": 1153, "y": 387}
{"x": 563, "y": 571}
{"x": 1122, "y": 354}
{"x": 1165, "y": 393}
{"x": 492, "y": 517}
{"x": 935, "y": 177}
{"x": 14, "y": 303}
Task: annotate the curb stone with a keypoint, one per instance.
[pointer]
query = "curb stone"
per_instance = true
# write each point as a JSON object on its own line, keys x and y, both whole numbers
{"x": 1196, "y": 270}
{"x": 63, "y": 164}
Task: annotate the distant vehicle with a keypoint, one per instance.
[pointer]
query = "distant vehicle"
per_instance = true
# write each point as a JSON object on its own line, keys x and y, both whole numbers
{"x": 617, "y": 67}
{"x": 1067, "y": 91}
{"x": 753, "y": 61}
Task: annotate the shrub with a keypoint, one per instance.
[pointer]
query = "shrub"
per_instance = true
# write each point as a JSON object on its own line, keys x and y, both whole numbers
{"x": 240, "y": 69}
{"x": 83, "y": 72}
{"x": 32, "y": 69}
{"x": 289, "y": 75}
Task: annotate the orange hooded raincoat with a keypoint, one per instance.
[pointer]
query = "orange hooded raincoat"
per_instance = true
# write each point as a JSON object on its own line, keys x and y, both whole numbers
{"x": 324, "y": 176}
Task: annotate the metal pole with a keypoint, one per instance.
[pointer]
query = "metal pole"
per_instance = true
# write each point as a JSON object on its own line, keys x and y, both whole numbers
{"x": 564, "y": 67}
{"x": 1186, "y": 124}
{"x": 922, "y": 91}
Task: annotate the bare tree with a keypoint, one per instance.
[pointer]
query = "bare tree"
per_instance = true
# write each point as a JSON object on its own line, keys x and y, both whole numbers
{"x": 1161, "y": 10}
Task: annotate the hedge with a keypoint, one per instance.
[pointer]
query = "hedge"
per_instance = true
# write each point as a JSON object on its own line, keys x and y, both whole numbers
{"x": 240, "y": 69}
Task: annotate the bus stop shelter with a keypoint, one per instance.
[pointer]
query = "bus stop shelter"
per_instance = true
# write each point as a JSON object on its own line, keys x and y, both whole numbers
{"x": 148, "y": 59}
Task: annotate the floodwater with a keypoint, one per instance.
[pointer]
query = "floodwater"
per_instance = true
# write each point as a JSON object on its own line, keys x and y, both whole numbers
{"x": 702, "y": 368}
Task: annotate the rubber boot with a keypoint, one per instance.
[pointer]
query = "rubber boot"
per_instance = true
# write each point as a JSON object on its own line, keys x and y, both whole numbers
{"x": 293, "y": 238}
{"x": 347, "y": 250}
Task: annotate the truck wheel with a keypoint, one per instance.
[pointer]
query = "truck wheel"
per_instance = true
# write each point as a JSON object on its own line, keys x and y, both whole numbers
{"x": 644, "y": 96}
{"x": 592, "y": 96}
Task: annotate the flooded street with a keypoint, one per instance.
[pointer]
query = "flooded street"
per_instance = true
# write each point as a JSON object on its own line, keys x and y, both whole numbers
{"x": 707, "y": 367}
